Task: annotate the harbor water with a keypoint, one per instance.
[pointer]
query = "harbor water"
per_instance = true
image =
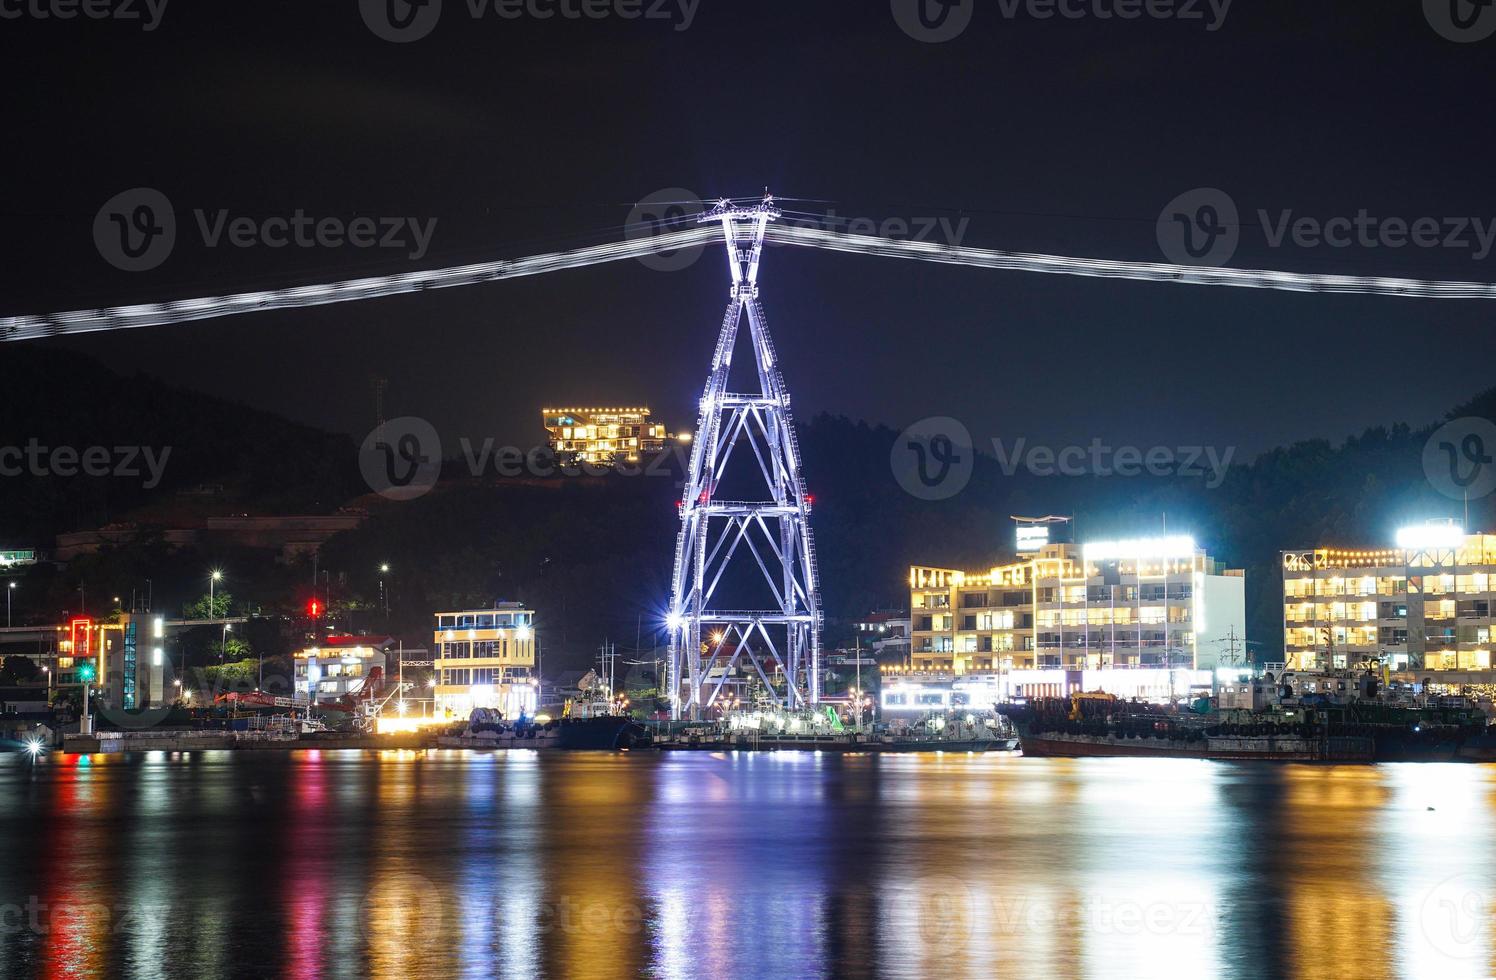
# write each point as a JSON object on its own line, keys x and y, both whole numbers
{"x": 453, "y": 863}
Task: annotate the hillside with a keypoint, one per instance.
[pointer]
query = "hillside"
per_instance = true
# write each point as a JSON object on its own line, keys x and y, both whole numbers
{"x": 158, "y": 441}
{"x": 593, "y": 554}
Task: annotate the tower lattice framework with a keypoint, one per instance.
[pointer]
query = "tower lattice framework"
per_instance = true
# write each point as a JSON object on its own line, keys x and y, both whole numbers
{"x": 709, "y": 642}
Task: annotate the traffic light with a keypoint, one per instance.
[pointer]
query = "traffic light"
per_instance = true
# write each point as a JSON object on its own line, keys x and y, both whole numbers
{"x": 86, "y": 673}
{"x": 313, "y": 608}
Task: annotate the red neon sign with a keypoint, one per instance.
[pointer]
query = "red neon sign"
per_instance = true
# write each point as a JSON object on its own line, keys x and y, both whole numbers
{"x": 82, "y": 637}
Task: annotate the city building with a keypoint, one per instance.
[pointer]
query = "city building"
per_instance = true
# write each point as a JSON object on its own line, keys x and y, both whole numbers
{"x": 16, "y": 559}
{"x": 1148, "y": 617}
{"x": 604, "y": 435}
{"x": 1423, "y": 608}
{"x": 127, "y": 657}
{"x": 342, "y": 666}
{"x": 485, "y": 658}
{"x": 134, "y": 656}
{"x": 885, "y": 634}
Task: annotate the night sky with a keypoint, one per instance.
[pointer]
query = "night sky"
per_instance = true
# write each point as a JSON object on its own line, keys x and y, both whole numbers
{"x": 524, "y": 135}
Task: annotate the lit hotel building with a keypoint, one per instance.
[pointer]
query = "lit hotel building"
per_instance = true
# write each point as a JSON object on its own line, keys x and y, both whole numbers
{"x": 602, "y": 435}
{"x": 1422, "y": 608}
{"x": 485, "y": 658}
{"x": 341, "y": 667}
{"x": 1135, "y": 618}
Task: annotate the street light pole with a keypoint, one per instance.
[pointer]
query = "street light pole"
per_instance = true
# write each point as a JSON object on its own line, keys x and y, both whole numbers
{"x": 8, "y": 592}
{"x": 859, "y": 681}
{"x": 86, "y": 675}
{"x": 213, "y": 606}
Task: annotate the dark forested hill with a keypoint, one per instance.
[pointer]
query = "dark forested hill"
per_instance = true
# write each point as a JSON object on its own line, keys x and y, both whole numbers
{"x": 594, "y": 553}
{"x": 154, "y": 440}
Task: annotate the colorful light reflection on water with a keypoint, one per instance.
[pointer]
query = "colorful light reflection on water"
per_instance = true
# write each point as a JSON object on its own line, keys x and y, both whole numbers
{"x": 403, "y": 864}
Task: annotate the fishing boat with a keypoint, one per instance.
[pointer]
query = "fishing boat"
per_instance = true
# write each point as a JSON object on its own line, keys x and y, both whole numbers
{"x": 769, "y": 727}
{"x": 594, "y": 720}
{"x": 1282, "y": 715}
{"x": 954, "y": 732}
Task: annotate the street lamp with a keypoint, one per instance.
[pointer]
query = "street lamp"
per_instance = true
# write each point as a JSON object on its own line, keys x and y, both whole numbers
{"x": 213, "y": 579}
{"x": 224, "y": 643}
{"x": 8, "y": 593}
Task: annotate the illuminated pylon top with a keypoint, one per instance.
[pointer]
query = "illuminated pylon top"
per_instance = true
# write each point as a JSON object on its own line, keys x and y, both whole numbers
{"x": 763, "y": 532}
{"x": 743, "y": 227}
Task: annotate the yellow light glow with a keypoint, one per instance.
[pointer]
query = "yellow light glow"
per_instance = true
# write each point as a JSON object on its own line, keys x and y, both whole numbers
{"x": 389, "y": 725}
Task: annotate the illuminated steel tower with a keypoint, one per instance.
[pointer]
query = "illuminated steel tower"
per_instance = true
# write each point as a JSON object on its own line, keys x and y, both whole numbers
{"x": 772, "y": 532}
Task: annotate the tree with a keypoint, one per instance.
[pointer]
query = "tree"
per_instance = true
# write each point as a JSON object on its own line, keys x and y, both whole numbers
{"x": 200, "y": 609}
{"x": 18, "y": 670}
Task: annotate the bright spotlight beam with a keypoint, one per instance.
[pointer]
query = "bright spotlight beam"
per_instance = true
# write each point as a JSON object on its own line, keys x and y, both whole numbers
{"x": 984, "y": 258}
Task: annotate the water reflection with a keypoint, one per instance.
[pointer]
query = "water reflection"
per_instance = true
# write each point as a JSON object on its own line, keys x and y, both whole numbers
{"x": 405, "y": 864}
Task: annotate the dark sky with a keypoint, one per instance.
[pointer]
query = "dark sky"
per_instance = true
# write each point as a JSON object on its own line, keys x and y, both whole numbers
{"x": 520, "y": 135}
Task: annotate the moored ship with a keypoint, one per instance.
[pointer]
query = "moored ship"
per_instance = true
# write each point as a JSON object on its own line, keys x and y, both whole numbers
{"x": 1283, "y": 748}
{"x": 593, "y": 721}
{"x": 1296, "y": 716}
{"x": 773, "y": 728}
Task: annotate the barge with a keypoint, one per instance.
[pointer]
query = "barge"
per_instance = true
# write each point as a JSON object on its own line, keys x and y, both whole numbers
{"x": 1281, "y": 748}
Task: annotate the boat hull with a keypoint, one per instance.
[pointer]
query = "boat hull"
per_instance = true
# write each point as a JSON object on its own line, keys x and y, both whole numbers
{"x": 1246, "y": 748}
{"x": 953, "y": 745}
{"x": 608, "y": 733}
{"x": 838, "y": 743}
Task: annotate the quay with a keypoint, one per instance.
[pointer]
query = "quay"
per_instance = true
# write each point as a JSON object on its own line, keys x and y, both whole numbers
{"x": 198, "y": 741}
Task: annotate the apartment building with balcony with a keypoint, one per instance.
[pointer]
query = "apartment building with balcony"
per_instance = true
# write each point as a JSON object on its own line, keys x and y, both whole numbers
{"x": 485, "y": 658}
{"x": 1423, "y": 609}
{"x": 1159, "y": 603}
{"x": 603, "y": 435}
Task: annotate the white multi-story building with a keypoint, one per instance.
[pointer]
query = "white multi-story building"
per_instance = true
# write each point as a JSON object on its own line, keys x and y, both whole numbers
{"x": 342, "y": 666}
{"x": 1423, "y": 608}
{"x": 1123, "y": 616}
{"x": 485, "y": 658}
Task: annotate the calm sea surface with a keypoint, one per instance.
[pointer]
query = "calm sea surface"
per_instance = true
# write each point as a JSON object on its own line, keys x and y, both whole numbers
{"x": 448, "y": 863}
